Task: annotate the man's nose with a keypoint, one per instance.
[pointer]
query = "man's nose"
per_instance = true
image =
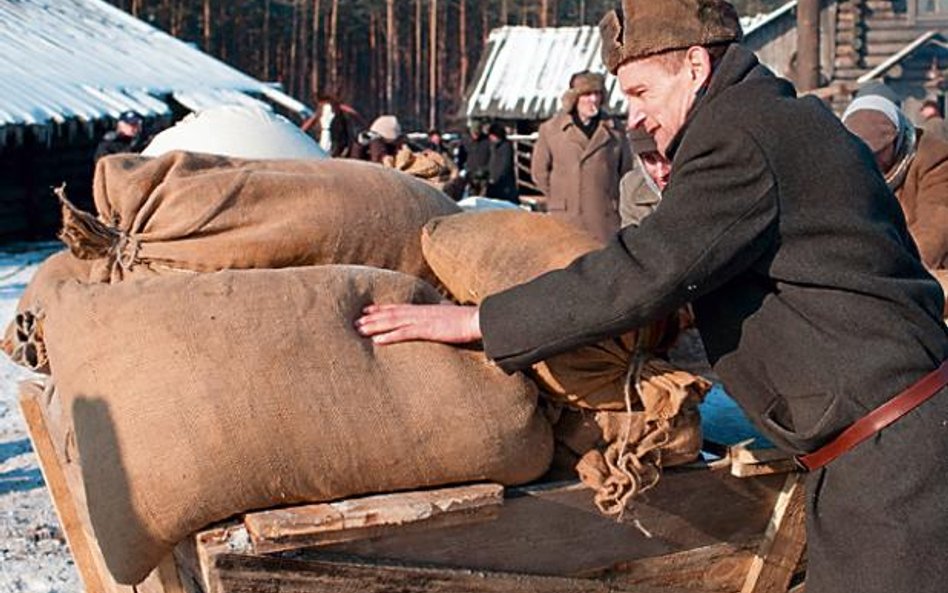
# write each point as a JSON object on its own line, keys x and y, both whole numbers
{"x": 636, "y": 117}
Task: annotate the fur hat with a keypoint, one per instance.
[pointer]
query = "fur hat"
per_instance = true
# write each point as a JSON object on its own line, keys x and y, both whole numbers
{"x": 642, "y": 28}
{"x": 583, "y": 83}
{"x": 641, "y": 142}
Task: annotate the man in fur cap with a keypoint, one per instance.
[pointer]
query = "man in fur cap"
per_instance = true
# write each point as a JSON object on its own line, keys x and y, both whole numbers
{"x": 808, "y": 291}
{"x": 580, "y": 157}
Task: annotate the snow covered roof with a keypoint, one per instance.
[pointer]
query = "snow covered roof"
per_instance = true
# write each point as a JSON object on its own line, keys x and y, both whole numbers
{"x": 86, "y": 60}
{"x": 525, "y": 71}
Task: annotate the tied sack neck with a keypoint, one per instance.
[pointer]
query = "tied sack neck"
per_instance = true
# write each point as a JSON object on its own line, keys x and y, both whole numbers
{"x": 89, "y": 238}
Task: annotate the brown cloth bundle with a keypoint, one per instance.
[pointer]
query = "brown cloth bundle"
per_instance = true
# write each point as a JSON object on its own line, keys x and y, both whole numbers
{"x": 183, "y": 386}
{"x": 23, "y": 340}
{"x": 621, "y": 454}
{"x": 203, "y": 213}
{"x": 477, "y": 254}
{"x": 433, "y": 168}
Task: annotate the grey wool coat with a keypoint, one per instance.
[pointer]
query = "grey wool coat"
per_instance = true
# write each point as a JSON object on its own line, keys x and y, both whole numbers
{"x": 812, "y": 304}
{"x": 580, "y": 176}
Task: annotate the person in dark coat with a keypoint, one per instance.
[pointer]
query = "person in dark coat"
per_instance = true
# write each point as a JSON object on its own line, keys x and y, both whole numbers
{"x": 126, "y": 137}
{"x": 474, "y": 158}
{"x": 502, "y": 177}
{"x": 807, "y": 289}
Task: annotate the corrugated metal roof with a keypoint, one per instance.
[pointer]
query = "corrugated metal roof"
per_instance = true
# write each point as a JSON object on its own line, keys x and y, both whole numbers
{"x": 86, "y": 59}
{"x": 525, "y": 70}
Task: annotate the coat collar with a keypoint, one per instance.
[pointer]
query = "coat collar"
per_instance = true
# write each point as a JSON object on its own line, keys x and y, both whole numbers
{"x": 737, "y": 65}
{"x": 606, "y": 131}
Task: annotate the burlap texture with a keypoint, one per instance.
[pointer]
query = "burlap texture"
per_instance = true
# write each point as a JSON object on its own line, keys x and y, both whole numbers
{"x": 23, "y": 339}
{"x": 205, "y": 213}
{"x": 477, "y": 254}
{"x": 199, "y": 396}
{"x": 621, "y": 454}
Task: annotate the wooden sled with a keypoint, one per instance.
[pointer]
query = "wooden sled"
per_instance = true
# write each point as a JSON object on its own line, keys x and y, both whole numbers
{"x": 702, "y": 529}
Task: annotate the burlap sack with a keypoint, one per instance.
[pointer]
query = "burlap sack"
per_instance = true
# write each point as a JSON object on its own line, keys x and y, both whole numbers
{"x": 23, "y": 339}
{"x": 621, "y": 454}
{"x": 199, "y": 396}
{"x": 205, "y": 213}
{"x": 476, "y": 254}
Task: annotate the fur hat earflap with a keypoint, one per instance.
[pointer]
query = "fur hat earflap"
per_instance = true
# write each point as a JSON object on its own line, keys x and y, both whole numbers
{"x": 642, "y": 28}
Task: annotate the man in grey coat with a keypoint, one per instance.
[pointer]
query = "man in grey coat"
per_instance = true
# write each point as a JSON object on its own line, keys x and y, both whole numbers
{"x": 808, "y": 291}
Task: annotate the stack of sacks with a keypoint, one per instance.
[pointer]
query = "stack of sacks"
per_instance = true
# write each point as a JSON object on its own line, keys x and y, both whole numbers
{"x": 620, "y": 434}
{"x": 197, "y": 390}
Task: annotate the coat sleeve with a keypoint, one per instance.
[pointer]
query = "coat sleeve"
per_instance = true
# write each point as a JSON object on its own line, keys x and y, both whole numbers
{"x": 930, "y": 227}
{"x": 718, "y": 216}
{"x": 541, "y": 162}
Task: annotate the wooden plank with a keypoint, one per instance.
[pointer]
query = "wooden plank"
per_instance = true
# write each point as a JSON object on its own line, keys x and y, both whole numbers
{"x": 748, "y": 470}
{"x": 720, "y": 568}
{"x": 47, "y": 429}
{"x": 559, "y": 531}
{"x": 372, "y": 516}
{"x": 784, "y": 543}
{"x": 83, "y": 554}
{"x": 235, "y": 573}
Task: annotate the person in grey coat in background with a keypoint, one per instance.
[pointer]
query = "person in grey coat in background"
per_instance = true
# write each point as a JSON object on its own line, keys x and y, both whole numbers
{"x": 640, "y": 190}
{"x": 808, "y": 291}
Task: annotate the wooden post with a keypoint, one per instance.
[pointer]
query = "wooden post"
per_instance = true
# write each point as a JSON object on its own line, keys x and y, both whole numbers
{"x": 784, "y": 542}
{"x": 808, "y": 44}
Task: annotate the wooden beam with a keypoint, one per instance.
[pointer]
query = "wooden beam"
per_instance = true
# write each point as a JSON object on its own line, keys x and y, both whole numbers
{"x": 719, "y": 568}
{"x": 784, "y": 542}
{"x": 372, "y": 516}
{"x": 64, "y": 481}
{"x": 83, "y": 554}
{"x": 233, "y": 573}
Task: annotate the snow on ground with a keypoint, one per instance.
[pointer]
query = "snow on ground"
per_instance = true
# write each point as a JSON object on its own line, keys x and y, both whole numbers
{"x": 34, "y": 557}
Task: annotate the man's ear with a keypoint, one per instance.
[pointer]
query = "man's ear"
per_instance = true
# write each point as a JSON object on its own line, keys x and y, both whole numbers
{"x": 698, "y": 63}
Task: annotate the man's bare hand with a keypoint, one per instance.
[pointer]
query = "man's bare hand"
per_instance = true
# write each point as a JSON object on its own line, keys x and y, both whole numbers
{"x": 388, "y": 324}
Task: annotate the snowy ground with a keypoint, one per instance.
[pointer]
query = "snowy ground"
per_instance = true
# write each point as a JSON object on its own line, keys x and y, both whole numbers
{"x": 34, "y": 557}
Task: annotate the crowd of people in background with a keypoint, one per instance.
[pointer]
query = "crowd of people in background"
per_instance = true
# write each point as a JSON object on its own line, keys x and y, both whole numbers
{"x": 600, "y": 177}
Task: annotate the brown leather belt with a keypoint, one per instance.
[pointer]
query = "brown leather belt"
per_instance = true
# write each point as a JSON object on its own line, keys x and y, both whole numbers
{"x": 878, "y": 419}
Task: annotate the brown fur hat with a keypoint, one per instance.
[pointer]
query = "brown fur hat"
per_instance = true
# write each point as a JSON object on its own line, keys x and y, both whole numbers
{"x": 580, "y": 84}
{"x": 641, "y": 28}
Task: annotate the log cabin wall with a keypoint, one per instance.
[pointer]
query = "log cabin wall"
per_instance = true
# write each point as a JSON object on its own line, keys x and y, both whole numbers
{"x": 871, "y": 31}
{"x": 32, "y": 162}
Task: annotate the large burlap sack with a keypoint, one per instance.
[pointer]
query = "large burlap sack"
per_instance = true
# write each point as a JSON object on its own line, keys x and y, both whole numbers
{"x": 199, "y": 396}
{"x": 202, "y": 213}
{"x": 476, "y": 254}
{"x": 23, "y": 339}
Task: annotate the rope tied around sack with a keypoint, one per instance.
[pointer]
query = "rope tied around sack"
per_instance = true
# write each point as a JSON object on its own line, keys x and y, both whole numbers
{"x": 632, "y": 470}
{"x": 90, "y": 238}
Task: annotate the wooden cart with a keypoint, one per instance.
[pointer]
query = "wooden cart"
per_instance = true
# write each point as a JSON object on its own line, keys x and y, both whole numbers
{"x": 702, "y": 529}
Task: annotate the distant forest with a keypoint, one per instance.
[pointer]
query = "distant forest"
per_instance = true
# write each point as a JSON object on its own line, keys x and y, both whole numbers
{"x": 413, "y": 58}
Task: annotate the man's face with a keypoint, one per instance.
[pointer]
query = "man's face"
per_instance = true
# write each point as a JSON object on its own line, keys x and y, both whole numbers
{"x": 659, "y": 99}
{"x": 657, "y": 167}
{"x": 435, "y": 139}
{"x": 128, "y": 129}
{"x": 587, "y": 106}
{"x": 928, "y": 112}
